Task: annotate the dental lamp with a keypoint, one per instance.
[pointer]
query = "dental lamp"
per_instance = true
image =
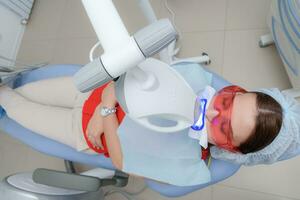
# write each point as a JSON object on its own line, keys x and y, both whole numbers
{"x": 148, "y": 90}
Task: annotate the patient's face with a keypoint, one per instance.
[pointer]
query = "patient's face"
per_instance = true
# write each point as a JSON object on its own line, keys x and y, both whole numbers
{"x": 243, "y": 117}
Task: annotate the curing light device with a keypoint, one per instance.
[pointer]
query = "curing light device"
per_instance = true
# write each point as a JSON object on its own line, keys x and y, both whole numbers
{"x": 150, "y": 92}
{"x": 122, "y": 52}
{"x": 200, "y": 112}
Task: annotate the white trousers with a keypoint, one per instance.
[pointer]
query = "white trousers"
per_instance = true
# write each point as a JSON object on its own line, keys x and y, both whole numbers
{"x": 51, "y": 107}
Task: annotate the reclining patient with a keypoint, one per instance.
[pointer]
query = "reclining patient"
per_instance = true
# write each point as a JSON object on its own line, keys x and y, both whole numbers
{"x": 242, "y": 127}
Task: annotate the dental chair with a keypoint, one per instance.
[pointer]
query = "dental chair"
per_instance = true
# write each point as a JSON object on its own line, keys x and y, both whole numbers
{"x": 22, "y": 186}
{"x": 52, "y": 185}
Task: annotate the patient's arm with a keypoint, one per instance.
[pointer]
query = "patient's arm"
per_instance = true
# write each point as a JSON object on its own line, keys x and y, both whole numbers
{"x": 110, "y": 126}
{"x": 113, "y": 143}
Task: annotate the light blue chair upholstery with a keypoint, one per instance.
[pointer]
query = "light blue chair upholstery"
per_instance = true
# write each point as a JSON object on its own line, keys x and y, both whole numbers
{"x": 220, "y": 170}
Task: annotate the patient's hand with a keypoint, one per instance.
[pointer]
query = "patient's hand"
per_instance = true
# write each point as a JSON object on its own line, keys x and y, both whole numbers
{"x": 95, "y": 128}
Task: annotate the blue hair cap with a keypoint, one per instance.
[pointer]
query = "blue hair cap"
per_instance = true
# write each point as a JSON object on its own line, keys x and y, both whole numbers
{"x": 287, "y": 143}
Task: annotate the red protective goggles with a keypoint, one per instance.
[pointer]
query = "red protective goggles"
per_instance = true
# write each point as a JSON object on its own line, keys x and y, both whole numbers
{"x": 221, "y": 125}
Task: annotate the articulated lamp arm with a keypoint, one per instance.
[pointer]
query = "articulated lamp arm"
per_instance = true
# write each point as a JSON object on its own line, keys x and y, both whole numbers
{"x": 121, "y": 51}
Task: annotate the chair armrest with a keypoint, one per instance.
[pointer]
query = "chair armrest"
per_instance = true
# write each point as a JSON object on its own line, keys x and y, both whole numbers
{"x": 77, "y": 182}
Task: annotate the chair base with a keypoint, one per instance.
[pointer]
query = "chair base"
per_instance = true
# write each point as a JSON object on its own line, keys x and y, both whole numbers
{"x": 21, "y": 187}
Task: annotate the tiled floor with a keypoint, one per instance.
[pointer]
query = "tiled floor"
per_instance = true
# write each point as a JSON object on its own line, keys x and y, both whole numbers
{"x": 228, "y": 30}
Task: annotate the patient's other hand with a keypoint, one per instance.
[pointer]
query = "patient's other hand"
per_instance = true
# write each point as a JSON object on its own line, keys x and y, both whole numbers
{"x": 95, "y": 128}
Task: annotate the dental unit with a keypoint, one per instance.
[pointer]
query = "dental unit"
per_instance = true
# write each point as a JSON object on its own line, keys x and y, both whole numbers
{"x": 157, "y": 99}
